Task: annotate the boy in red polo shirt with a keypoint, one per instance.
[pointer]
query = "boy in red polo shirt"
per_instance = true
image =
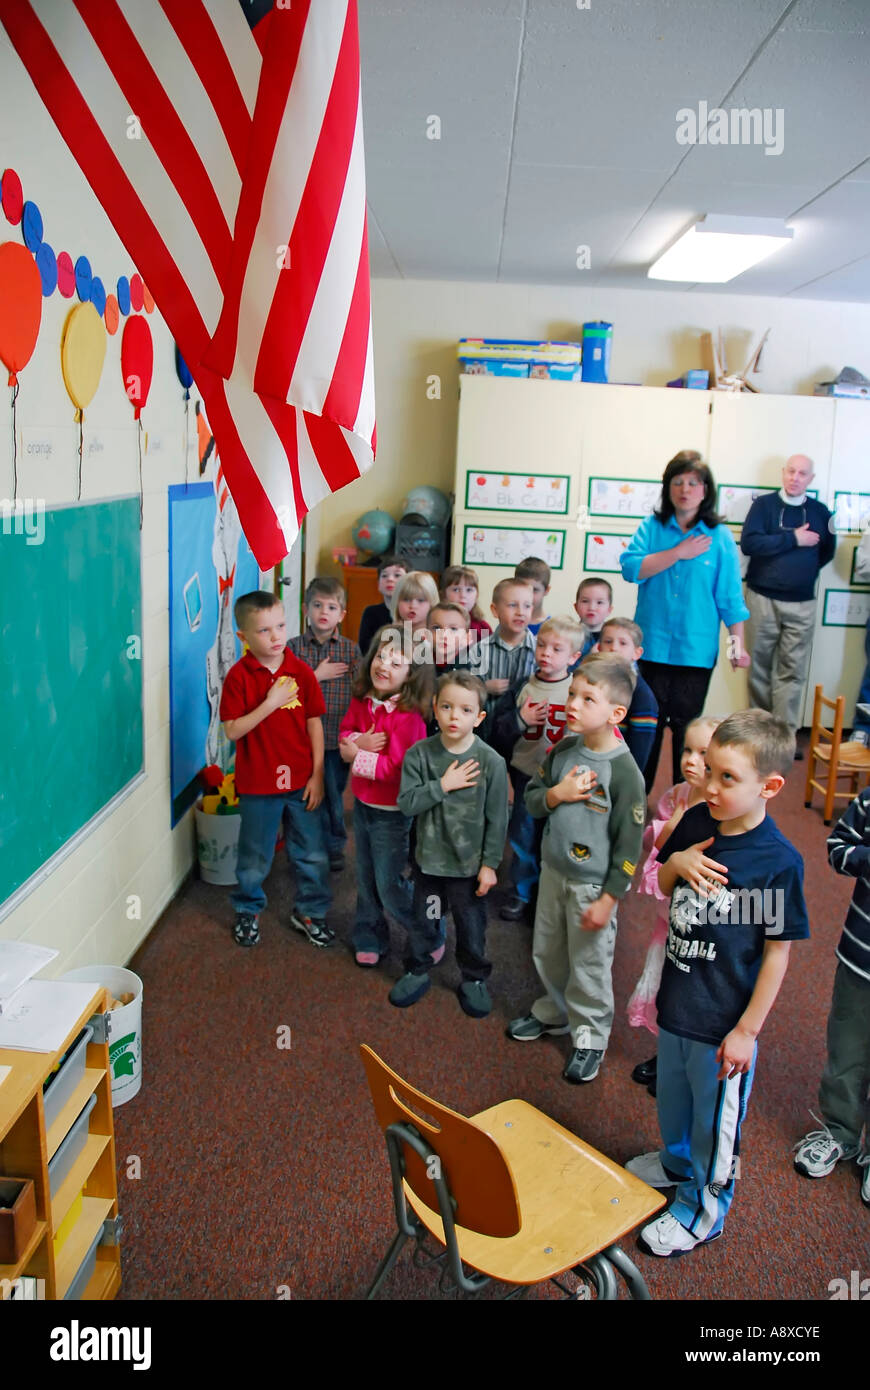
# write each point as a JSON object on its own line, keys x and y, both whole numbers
{"x": 271, "y": 708}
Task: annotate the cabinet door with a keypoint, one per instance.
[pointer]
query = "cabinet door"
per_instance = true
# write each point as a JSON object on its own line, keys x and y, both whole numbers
{"x": 631, "y": 432}
{"x": 752, "y": 436}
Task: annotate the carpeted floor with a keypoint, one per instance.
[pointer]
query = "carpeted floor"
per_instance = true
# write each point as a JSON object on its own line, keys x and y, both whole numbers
{"x": 263, "y": 1172}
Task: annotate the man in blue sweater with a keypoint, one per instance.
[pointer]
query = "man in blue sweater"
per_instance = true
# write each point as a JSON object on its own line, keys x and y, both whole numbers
{"x": 788, "y": 539}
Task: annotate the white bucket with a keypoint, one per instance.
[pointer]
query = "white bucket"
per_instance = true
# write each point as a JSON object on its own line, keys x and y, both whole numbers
{"x": 125, "y": 1032}
{"x": 217, "y": 846}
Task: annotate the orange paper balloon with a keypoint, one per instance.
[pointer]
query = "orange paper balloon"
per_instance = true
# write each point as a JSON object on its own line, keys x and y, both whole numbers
{"x": 20, "y": 307}
{"x": 112, "y": 313}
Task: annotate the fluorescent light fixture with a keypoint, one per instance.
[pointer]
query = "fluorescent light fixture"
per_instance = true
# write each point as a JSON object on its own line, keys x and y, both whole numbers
{"x": 716, "y": 249}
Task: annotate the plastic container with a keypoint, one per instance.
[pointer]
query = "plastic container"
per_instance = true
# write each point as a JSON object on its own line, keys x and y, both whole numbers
{"x": 84, "y": 1272}
{"x": 69, "y": 1150}
{"x": 61, "y": 1084}
{"x": 597, "y": 340}
{"x": 217, "y": 844}
{"x": 125, "y": 1031}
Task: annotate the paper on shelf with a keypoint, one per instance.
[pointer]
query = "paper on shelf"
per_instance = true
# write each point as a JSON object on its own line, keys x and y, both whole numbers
{"x": 19, "y": 961}
{"x": 41, "y": 1014}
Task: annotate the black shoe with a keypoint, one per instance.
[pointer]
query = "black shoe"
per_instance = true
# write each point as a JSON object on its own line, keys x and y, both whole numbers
{"x": 652, "y": 1087}
{"x": 645, "y": 1072}
{"x": 798, "y": 755}
{"x": 246, "y": 931}
{"x": 513, "y": 910}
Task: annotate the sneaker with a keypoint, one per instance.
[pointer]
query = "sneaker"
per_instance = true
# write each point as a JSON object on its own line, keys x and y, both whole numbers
{"x": 336, "y": 863}
{"x": 818, "y": 1153}
{"x": 514, "y": 909}
{"x": 583, "y": 1065}
{"x": 859, "y": 736}
{"x": 246, "y": 931}
{"x": 474, "y": 998}
{"x": 367, "y": 958}
{"x": 645, "y": 1072}
{"x": 318, "y": 933}
{"x": 864, "y": 1162}
{"x": 650, "y": 1169}
{"x": 529, "y": 1029}
{"x": 438, "y": 953}
{"x": 408, "y": 990}
{"x": 666, "y": 1237}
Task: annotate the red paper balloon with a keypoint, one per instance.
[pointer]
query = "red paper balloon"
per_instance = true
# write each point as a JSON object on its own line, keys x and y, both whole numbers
{"x": 137, "y": 361}
{"x": 20, "y": 307}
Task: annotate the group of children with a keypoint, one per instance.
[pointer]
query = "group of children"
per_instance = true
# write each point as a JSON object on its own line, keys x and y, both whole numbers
{"x": 441, "y": 723}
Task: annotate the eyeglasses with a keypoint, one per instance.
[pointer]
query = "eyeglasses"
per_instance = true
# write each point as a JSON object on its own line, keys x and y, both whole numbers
{"x": 782, "y": 527}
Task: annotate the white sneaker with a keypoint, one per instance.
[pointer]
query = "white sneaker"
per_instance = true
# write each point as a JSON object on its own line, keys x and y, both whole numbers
{"x": 864, "y": 1162}
{"x": 648, "y": 1167}
{"x": 818, "y": 1153}
{"x": 667, "y": 1237}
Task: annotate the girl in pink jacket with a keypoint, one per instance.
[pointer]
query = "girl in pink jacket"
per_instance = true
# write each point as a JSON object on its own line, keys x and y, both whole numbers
{"x": 384, "y": 718}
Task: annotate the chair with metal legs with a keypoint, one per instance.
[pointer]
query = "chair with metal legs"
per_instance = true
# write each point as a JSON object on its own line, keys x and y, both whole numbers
{"x": 508, "y": 1193}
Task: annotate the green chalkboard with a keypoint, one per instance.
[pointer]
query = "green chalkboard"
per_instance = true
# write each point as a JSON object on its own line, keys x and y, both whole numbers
{"x": 70, "y": 674}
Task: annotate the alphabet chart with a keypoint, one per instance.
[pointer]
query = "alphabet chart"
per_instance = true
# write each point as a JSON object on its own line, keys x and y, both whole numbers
{"x": 517, "y": 492}
{"x": 602, "y": 552}
{"x": 623, "y": 496}
{"x": 489, "y": 545}
{"x": 844, "y": 608}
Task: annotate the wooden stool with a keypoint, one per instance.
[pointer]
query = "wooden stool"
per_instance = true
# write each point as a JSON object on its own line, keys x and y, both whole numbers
{"x": 842, "y": 759}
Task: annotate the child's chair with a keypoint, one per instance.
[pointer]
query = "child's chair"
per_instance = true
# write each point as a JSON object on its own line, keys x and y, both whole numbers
{"x": 842, "y": 759}
{"x": 508, "y": 1192}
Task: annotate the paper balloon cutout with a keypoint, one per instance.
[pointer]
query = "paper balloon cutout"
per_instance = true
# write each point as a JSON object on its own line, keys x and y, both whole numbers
{"x": 11, "y": 196}
{"x": 137, "y": 362}
{"x": 124, "y": 295}
{"x": 82, "y": 354}
{"x": 46, "y": 264}
{"x": 137, "y": 291}
{"x": 20, "y": 307}
{"x": 112, "y": 314}
{"x": 66, "y": 275}
{"x": 31, "y": 226}
{"x": 184, "y": 373}
{"x": 84, "y": 276}
{"x": 98, "y": 295}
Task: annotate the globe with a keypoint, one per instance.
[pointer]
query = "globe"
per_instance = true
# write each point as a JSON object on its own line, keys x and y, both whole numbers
{"x": 374, "y": 531}
{"x": 428, "y": 504}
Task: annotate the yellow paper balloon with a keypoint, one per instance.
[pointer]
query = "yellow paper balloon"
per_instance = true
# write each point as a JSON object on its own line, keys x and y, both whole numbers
{"x": 82, "y": 354}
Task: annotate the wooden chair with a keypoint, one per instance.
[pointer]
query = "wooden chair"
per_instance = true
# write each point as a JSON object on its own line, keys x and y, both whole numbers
{"x": 841, "y": 759}
{"x": 508, "y": 1192}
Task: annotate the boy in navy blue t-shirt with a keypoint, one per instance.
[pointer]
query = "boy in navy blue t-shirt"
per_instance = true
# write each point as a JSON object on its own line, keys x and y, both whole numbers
{"x": 736, "y": 886}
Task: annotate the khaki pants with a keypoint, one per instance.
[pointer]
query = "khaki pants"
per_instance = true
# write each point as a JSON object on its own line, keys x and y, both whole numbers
{"x": 779, "y": 637}
{"x": 574, "y": 965}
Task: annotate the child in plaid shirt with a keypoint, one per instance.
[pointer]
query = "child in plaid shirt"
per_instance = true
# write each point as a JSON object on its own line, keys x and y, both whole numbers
{"x": 333, "y": 659}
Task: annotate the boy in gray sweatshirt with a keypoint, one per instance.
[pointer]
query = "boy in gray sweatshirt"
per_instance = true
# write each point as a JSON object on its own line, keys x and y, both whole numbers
{"x": 592, "y": 794}
{"x": 456, "y": 787}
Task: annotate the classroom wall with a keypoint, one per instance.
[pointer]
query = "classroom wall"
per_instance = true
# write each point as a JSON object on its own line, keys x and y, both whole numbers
{"x": 82, "y": 908}
{"x": 417, "y": 324}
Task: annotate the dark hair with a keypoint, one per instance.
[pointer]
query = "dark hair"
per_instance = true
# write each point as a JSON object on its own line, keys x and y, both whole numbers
{"x": 326, "y": 588}
{"x": 615, "y": 677}
{"x": 462, "y": 574}
{"x": 591, "y": 580}
{"x": 767, "y": 740}
{"x": 466, "y": 680}
{"x": 387, "y": 562}
{"x": 534, "y": 568}
{"x": 689, "y": 461}
{"x": 416, "y": 693}
{"x": 259, "y": 601}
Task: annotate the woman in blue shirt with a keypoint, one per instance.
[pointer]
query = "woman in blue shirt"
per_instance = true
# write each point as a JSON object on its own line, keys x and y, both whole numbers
{"x": 687, "y": 568}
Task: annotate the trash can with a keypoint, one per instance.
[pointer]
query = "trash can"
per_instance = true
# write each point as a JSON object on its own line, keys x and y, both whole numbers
{"x": 217, "y": 846}
{"x": 125, "y": 1033}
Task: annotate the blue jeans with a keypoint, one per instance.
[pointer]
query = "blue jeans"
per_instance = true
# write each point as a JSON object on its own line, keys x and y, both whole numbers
{"x": 860, "y": 724}
{"x": 432, "y": 894}
{"x": 381, "y": 843}
{"x": 525, "y": 834}
{"x": 335, "y": 771}
{"x": 262, "y": 818}
{"x": 700, "y": 1119}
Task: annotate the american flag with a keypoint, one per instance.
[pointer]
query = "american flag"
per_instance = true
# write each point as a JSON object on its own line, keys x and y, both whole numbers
{"x": 223, "y": 138}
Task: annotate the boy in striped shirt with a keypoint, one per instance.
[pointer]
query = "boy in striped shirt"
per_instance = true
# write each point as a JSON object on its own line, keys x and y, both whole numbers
{"x": 621, "y": 637}
{"x": 844, "y": 1092}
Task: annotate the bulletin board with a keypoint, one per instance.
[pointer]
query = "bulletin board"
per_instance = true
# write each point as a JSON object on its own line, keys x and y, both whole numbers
{"x": 602, "y": 552}
{"x": 844, "y": 608}
{"x": 490, "y": 545}
{"x": 733, "y": 500}
{"x": 70, "y": 681}
{"x": 517, "y": 492}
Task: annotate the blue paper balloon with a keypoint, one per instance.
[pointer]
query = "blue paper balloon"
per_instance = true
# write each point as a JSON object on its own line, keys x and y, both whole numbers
{"x": 123, "y": 294}
{"x": 83, "y": 279}
{"x": 98, "y": 295}
{"x": 184, "y": 373}
{"x": 46, "y": 264}
{"x": 31, "y": 226}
